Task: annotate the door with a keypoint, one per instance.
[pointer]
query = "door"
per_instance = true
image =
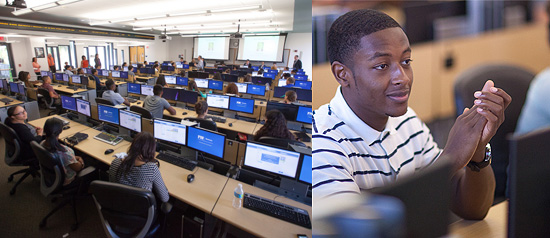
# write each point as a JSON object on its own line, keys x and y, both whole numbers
{"x": 7, "y": 68}
{"x": 141, "y": 54}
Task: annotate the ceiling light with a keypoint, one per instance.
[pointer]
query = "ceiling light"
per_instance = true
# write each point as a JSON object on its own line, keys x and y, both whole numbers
{"x": 258, "y": 7}
{"x": 45, "y": 6}
{"x": 186, "y": 13}
{"x": 262, "y": 34}
{"x": 22, "y": 11}
{"x": 122, "y": 20}
{"x": 151, "y": 17}
{"x": 99, "y": 23}
{"x": 142, "y": 29}
{"x": 189, "y": 35}
{"x": 63, "y": 2}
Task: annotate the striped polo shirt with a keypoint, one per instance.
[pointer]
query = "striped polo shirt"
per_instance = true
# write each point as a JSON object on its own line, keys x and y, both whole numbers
{"x": 349, "y": 155}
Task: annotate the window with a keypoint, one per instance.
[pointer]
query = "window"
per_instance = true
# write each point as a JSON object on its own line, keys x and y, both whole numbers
{"x": 64, "y": 56}
{"x": 122, "y": 55}
{"x": 115, "y": 54}
{"x": 55, "y": 53}
{"x": 72, "y": 54}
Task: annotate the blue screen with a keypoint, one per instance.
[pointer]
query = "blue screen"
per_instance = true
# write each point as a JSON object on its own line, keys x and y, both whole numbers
{"x": 273, "y": 71}
{"x": 68, "y": 103}
{"x": 2, "y": 83}
{"x": 305, "y": 115}
{"x": 134, "y": 88}
{"x": 59, "y": 76}
{"x": 305, "y": 171}
{"x": 300, "y": 77}
{"x": 107, "y": 114}
{"x": 303, "y": 84}
{"x": 22, "y": 90}
{"x": 256, "y": 68}
{"x": 256, "y": 89}
{"x": 269, "y": 75}
{"x": 44, "y": 73}
{"x": 83, "y": 107}
{"x": 186, "y": 66}
{"x": 14, "y": 88}
{"x": 216, "y": 85}
{"x": 279, "y": 92}
{"x": 241, "y": 104}
{"x": 170, "y": 79}
{"x": 300, "y": 72}
{"x": 124, "y": 75}
{"x": 105, "y": 73}
{"x": 182, "y": 81}
{"x": 76, "y": 79}
{"x": 115, "y": 74}
{"x": 206, "y": 141}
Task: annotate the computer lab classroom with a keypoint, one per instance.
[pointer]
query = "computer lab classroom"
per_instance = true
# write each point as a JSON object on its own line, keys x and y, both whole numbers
{"x": 456, "y": 47}
{"x": 221, "y": 180}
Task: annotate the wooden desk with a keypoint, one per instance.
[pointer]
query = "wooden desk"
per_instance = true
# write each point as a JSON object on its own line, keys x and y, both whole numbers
{"x": 96, "y": 148}
{"x": 494, "y": 225}
{"x": 254, "y": 222}
{"x": 74, "y": 126}
{"x": 15, "y": 102}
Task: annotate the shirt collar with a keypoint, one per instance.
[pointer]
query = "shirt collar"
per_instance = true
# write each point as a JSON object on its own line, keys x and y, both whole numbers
{"x": 341, "y": 109}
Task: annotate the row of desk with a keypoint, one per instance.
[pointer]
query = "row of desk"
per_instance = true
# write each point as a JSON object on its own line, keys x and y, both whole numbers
{"x": 210, "y": 192}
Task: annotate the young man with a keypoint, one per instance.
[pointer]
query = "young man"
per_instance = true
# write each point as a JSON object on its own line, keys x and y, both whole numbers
{"x": 367, "y": 136}
{"x": 156, "y": 104}
{"x": 200, "y": 64}
{"x": 68, "y": 70}
{"x": 130, "y": 70}
{"x": 47, "y": 85}
{"x": 110, "y": 94}
{"x": 297, "y": 63}
{"x": 98, "y": 82}
{"x": 248, "y": 64}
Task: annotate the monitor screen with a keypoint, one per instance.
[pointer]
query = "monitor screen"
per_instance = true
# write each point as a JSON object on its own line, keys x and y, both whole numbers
{"x": 303, "y": 84}
{"x": 104, "y": 73}
{"x": 169, "y": 131}
{"x": 289, "y": 110}
{"x": 179, "y": 65}
{"x": 65, "y": 78}
{"x": 83, "y": 107}
{"x": 147, "y": 90}
{"x": 182, "y": 81}
{"x": 230, "y": 78}
{"x": 134, "y": 88}
{"x": 305, "y": 170}
{"x": 112, "y": 68}
{"x": 273, "y": 71}
{"x": 170, "y": 93}
{"x": 76, "y": 79}
{"x": 217, "y": 101}
{"x": 300, "y": 72}
{"x": 130, "y": 120}
{"x": 170, "y": 79}
{"x": 68, "y": 103}
{"x": 2, "y": 83}
{"x": 206, "y": 141}
{"x": 279, "y": 92}
{"x": 124, "y": 74}
{"x": 303, "y": 94}
{"x": 185, "y": 66}
{"x": 256, "y": 89}
{"x": 188, "y": 97}
{"x": 271, "y": 159}
{"x": 300, "y": 77}
{"x": 241, "y": 105}
{"x": 22, "y": 90}
{"x": 242, "y": 87}
{"x": 270, "y": 75}
{"x": 44, "y": 73}
{"x": 215, "y": 85}
{"x": 304, "y": 115}
{"x": 115, "y": 74}
{"x": 261, "y": 80}
{"x": 5, "y": 84}
{"x": 87, "y": 70}
{"x": 282, "y": 83}
{"x": 125, "y": 69}
{"x": 107, "y": 114}
{"x": 202, "y": 83}
{"x": 59, "y": 76}
{"x": 14, "y": 88}
{"x": 256, "y": 68}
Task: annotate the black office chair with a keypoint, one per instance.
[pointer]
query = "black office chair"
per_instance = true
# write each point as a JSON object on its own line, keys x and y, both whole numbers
{"x": 171, "y": 118}
{"x": 52, "y": 179}
{"x": 515, "y": 81}
{"x": 12, "y": 156}
{"x": 204, "y": 123}
{"x": 99, "y": 89}
{"x": 144, "y": 113}
{"x": 47, "y": 99}
{"x": 280, "y": 142}
{"x": 125, "y": 211}
{"x": 103, "y": 101}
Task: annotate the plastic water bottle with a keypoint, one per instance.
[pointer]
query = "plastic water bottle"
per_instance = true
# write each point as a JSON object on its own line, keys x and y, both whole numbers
{"x": 238, "y": 198}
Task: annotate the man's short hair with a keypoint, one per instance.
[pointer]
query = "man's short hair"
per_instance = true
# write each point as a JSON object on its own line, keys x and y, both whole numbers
{"x": 346, "y": 32}
{"x": 291, "y": 95}
{"x": 67, "y": 67}
{"x": 157, "y": 89}
{"x": 109, "y": 83}
{"x": 130, "y": 68}
{"x": 94, "y": 70}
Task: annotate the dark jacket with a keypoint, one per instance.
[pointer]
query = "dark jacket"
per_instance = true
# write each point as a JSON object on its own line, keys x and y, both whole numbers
{"x": 26, "y": 136}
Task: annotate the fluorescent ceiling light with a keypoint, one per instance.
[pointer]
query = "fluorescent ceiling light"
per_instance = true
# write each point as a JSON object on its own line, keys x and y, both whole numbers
{"x": 142, "y": 29}
{"x": 122, "y": 20}
{"x": 22, "y": 11}
{"x": 99, "y": 23}
{"x": 151, "y": 17}
{"x": 186, "y": 13}
{"x": 45, "y": 6}
{"x": 258, "y": 7}
{"x": 262, "y": 34}
{"x": 63, "y": 2}
{"x": 189, "y": 35}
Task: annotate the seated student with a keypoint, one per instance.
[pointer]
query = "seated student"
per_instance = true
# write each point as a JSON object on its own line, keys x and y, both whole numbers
{"x": 116, "y": 68}
{"x": 227, "y": 71}
{"x": 98, "y": 82}
{"x": 274, "y": 66}
{"x": 144, "y": 63}
{"x": 260, "y": 71}
{"x": 156, "y": 67}
{"x": 262, "y": 65}
{"x": 275, "y": 126}
{"x": 290, "y": 82}
{"x": 192, "y": 86}
{"x": 130, "y": 71}
{"x": 231, "y": 89}
{"x": 184, "y": 62}
{"x": 286, "y": 75}
{"x": 247, "y": 79}
{"x": 293, "y": 72}
{"x": 110, "y": 94}
{"x": 286, "y": 68}
{"x": 201, "y": 108}
{"x": 140, "y": 168}
{"x": 124, "y": 65}
{"x": 68, "y": 70}
{"x": 156, "y": 104}
{"x": 25, "y": 77}
{"x": 17, "y": 115}
{"x": 47, "y": 85}
{"x": 162, "y": 81}
{"x": 217, "y": 76}
{"x": 290, "y": 97}
{"x": 80, "y": 71}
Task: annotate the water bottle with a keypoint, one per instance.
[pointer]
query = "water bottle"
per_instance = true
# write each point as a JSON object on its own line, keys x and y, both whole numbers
{"x": 238, "y": 198}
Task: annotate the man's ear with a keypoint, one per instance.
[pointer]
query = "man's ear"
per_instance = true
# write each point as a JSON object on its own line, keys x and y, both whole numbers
{"x": 342, "y": 73}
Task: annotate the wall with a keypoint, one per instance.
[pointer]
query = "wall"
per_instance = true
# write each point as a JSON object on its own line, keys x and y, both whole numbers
{"x": 300, "y": 44}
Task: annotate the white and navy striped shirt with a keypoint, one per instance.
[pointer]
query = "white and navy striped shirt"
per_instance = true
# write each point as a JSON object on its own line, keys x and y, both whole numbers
{"x": 349, "y": 155}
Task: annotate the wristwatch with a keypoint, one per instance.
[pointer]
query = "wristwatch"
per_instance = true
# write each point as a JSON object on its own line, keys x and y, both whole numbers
{"x": 474, "y": 166}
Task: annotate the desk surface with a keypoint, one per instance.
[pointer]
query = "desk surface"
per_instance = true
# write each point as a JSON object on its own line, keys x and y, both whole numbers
{"x": 65, "y": 89}
{"x": 74, "y": 126}
{"x": 117, "y": 82}
{"x": 15, "y": 102}
{"x": 494, "y": 225}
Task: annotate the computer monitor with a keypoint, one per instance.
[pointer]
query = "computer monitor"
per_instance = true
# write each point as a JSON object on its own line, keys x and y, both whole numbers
{"x": 282, "y": 82}
{"x": 112, "y": 67}
{"x": 241, "y": 104}
{"x": 183, "y": 81}
{"x": 83, "y": 107}
{"x": 14, "y": 88}
{"x": 218, "y": 101}
{"x": 279, "y": 92}
{"x": 185, "y": 66}
{"x": 255, "y": 68}
{"x": 303, "y": 94}
{"x": 134, "y": 88}
{"x": 2, "y": 84}
{"x": 5, "y": 84}
{"x": 300, "y": 77}
{"x": 230, "y": 78}
{"x": 130, "y": 120}
{"x": 170, "y": 79}
{"x": 305, "y": 169}
{"x": 215, "y": 84}
{"x": 124, "y": 74}
{"x": 76, "y": 79}
{"x": 68, "y": 103}
{"x": 303, "y": 84}
{"x": 170, "y": 131}
{"x": 304, "y": 115}
{"x": 201, "y": 83}
{"x": 273, "y": 71}
{"x": 22, "y": 89}
{"x": 256, "y": 89}
{"x": 170, "y": 93}
{"x": 59, "y": 76}
{"x": 179, "y": 65}
{"x": 206, "y": 141}
{"x": 242, "y": 87}
{"x": 143, "y": 71}
{"x": 147, "y": 89}
{"x": 125, "y": 68}
{"x": 188, "y": 97}
{"x": 289, "y": 110}
{"x": 104, "y": 73}
{"x": 270, "y": 75}
{"x": 46, "y": 73}
{"x": 135, "y": 65}
{"x": 261, "y": 80}
{"x": 108, "y": 114}
{"x": 300, "y": 72}
{"x": 87, "y": 70}
{"x": 271, "y": 159}
{"x": 115, "y": 74}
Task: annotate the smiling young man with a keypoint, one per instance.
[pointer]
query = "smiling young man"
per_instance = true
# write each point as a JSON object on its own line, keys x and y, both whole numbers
{"x": 367, "y": 136}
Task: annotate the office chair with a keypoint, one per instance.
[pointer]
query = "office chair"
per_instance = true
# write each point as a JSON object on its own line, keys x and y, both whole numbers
{"x": 12, "y": 156}
{"x": 47, "y": 99}
{"x": 280, "y": 142}
{"x": 204, "y": 123}
{"x": 515, "y": 81}
{"x": 144, "y": 113}
{"x": 171, "y": 118}
{"x": 126, "y": 211}
{"x": 103, "y": 101}
{"x": 52, "y": 179}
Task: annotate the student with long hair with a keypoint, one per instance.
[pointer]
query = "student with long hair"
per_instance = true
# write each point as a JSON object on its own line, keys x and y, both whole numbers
{"x": 25, "y": 77}
{"x": 275, "y": 126}
{"x": 17, "y": 116}
{"x": 192, "y": 86}
{"x": 231, "y": 89}
{"x": 217, "y": 76}
{"x": 290, "y": 97}
{"x": 162, "y": 81}
{"x": 201, "y": 108}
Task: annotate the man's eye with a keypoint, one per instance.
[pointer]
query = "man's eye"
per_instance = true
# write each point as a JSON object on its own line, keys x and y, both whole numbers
{"x": 407, "y": 61}
{"x": 382, "y": 66}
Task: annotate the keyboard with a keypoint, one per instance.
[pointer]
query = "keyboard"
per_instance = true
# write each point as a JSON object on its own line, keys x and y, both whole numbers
{"x": 65, "y": 122}
{"x": 278, "y": 210}
{"x": 73, "y": 87}
{"x": 5, "y": 100}
{"x": 108, "y": 138}
{"x": 302, "y": 136}
{"x": 132, "y": 100}
{"x": 216, "y": 119}
{"x": 177, "y": 160}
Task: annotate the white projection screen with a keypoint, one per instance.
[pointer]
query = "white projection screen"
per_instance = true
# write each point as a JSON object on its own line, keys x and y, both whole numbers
{"x": 262, "y": 48}
{"x": 216, "y": 48}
